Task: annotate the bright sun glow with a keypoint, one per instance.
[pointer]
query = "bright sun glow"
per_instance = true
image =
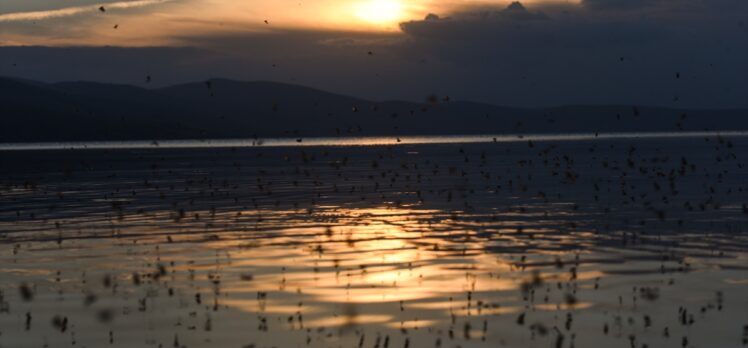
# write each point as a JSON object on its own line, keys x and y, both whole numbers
{"x": 380, "y": 11}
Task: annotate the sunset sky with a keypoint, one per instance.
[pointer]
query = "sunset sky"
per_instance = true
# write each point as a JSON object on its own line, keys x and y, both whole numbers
{"x": 530, "y": 54}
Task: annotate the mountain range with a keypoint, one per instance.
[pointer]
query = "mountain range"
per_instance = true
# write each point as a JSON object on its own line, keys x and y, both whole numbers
{"x": 219, "y": 108}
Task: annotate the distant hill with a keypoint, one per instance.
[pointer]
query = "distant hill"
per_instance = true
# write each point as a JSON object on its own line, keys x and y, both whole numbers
{"x": 78, "y": 111}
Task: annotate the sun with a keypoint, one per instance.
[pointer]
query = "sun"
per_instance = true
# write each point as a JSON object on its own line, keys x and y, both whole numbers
{"x": 380, "y": 12}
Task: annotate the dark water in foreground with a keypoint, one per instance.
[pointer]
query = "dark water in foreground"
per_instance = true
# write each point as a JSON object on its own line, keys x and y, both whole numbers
{"x": 590, "y": 242}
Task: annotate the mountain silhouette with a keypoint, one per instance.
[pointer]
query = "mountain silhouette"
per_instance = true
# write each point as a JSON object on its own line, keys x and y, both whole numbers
{"x": 219, "y": 108}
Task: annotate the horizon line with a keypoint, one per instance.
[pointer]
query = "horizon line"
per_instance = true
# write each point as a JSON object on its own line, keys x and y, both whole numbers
{"x": 353, "y": 141}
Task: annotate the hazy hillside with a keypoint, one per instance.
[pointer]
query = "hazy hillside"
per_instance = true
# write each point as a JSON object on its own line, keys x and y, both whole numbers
{"x": 33, "y": 111}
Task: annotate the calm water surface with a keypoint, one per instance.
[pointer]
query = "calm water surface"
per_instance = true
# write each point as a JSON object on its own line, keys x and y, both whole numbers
{"x": 560, "y": 241}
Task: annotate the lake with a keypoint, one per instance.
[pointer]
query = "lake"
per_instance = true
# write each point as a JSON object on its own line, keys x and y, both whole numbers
{"x": 624, "y": 240}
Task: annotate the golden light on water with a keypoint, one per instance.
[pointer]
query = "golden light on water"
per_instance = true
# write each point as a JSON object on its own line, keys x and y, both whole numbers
{"x": 251, "y": 266}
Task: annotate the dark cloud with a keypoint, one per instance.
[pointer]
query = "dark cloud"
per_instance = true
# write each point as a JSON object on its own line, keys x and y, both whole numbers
{"x": 619, "y": 4}
{"x": 432, "y": 17}
{"x": 580, "y": 55}
{"x": 517, "y": 11}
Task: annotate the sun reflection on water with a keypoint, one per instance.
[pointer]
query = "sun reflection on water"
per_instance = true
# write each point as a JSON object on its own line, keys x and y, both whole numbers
{"x": 279, "y": 253}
